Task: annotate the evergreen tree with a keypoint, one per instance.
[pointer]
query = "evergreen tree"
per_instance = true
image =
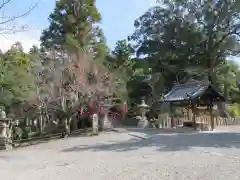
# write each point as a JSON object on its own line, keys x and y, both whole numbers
{"x": 74, "y": 26}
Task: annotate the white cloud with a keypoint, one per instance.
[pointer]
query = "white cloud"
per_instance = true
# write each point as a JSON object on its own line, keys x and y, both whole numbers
{"x": 27, "y": 38}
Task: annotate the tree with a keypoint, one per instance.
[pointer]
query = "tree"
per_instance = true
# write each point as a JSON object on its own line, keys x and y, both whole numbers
{"x": 227, "y": 76}
{"x": 183, "y": 31}
{"x": 15, "y": 67}
{"x": 218, "y": 23}
{"x": 121, "y": 53}
{"x": 182, "y": 39}
{"x": 164, "y": 41}
{"x": 77, "y": 48}
{"x": 120, "y": 63}
{"x": 40, "y": 73}
{"x": 72, "y": 41}
{"x": 74, "y": 26}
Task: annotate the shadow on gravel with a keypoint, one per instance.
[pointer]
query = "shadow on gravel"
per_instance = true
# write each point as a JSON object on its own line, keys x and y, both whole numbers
{"x": 168, "y": 142}
{"x": 5, "y": 157}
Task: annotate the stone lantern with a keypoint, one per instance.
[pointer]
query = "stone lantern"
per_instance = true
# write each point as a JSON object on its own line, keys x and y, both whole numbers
{"x": 105, "y": 123}
{"x": 143, "y": 122}
{"x": 5, "y": 133}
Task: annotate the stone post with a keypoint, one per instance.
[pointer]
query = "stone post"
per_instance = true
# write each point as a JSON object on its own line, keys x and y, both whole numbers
{"x": 3, "y": 114}
{"x": 95, "y": 124}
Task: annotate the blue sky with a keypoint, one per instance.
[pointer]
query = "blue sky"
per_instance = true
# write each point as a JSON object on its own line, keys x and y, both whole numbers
{"x": 117, "y": 19}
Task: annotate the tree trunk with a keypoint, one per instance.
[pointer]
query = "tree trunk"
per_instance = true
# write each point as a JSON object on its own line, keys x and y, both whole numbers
{"x": 67, "y": 123}
{"x": 211, "y": 117}
{"x": 74, "y": 124}
{"x": 82, "y": 118}
{"x": 194, "y": 116}
{"x": 40, "y": 121}
{"x": 66, "y": 127}
{"x": 172, "y": 116}
{"x": 225, "y": 90}
{"x": 211, "y": 72}
{"x": 220, "y": 105}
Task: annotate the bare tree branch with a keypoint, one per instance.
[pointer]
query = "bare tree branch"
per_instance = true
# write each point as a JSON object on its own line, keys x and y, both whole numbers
{"x": 4, "y": 3}
{"x": 13, "y": 30}
{"x": 18, "y": 16}
{"x": 5, "y": 23}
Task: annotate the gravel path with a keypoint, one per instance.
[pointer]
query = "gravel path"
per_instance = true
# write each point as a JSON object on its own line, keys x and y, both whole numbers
{"x": 119, "y": 156}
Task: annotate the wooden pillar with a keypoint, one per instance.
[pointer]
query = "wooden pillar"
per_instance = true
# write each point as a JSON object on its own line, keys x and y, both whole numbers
{"x": 211, "y": 117}
{"x": 172, "y": 117}
{"x": 188, "y": 112}
{"x": 194, "y": 116}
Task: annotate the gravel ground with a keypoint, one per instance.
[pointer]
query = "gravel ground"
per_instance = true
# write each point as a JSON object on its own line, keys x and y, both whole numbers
{"x": 120, "y": 156}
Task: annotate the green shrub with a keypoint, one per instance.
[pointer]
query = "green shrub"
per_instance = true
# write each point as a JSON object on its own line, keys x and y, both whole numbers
{"x": 132, "y": 113}
{"x": 33, "y": 134}
{"x": 234, "y": 109}
{"x": 26, "y": 132}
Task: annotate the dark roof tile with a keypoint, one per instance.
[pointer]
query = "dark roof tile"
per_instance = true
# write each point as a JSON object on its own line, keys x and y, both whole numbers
{"x": 189, "y": 90}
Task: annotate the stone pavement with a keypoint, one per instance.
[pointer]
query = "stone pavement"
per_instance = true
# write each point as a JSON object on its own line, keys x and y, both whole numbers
{"x": 233, "y": 128}
{"x": 119, "y": 156}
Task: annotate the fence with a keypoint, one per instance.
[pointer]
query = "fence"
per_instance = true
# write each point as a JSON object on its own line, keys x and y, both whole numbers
{"x": 46, "y": 137}
{"x": 219, "y": 122}
{"x": 202, "y": 122}
{"x": 166, "y": 122}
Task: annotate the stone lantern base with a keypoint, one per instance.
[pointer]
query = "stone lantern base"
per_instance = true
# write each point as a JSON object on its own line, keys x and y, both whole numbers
{"x": 4, "y": 144}
{"x": 105, "y": 123}
{"x": 143, "y": 123}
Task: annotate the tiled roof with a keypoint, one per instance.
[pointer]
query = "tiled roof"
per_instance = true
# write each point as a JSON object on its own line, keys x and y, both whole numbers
{"x": 189, "y": 90}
